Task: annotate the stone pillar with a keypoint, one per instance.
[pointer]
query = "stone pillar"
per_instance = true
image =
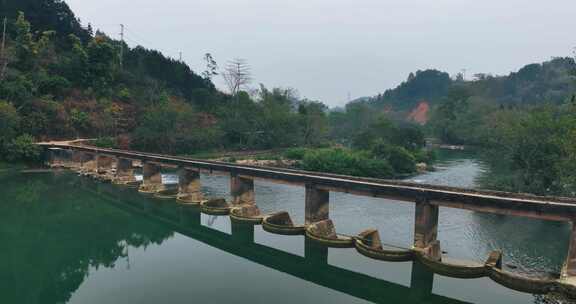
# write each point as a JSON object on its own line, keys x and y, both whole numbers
{"x": 242, "y": 190}
{"x": 104, "y": 163}
{"x": 425, "y": 223}
{"x": 124, "y": 170}
{"x": 569, "y": 269}
{"x": 77, "y": 159}
{"x": 189, "y": 185}
{"x": 69, "y": 158}
{"x": 56, "y": 157}
{"x": 317, "y": 205}
{"x": 152, "y": 178}
{"x": 50, "y": 157}
{"x": 89, "y": 162}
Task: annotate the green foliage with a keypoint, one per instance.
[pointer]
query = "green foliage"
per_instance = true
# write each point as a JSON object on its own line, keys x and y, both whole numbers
{"x": 532, "y": 151}
{"x": 429, "y": 85}
{"x": 402, "y": 161}
{"x": 295, "y": 153}
{"x": 22, "y": 148}
{"x": 79, "y": 119}
{"x": 101, "y": 65}
{"x": 105, "y": 142}
{"x": 346, "y": 162}
{"x": 9, "y": 122}
{"x": 314, "y": 122}
{"x": 427, "y": 156}
{"x": 410, "y": 137}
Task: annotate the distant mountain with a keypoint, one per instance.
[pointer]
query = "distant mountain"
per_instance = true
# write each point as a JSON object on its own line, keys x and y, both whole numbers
{"x": 552, "y": 81}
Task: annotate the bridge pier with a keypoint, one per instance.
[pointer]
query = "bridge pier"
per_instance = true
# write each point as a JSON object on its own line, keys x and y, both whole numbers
{"x": 152, "y": 178}
{"x": 569, "y": 269}
{"x": 317, "y": 204}
{"x": 88, "y": 163}
{"x": 104, "y": 163}
{"x": 76, "y": 159}
{"x": 242, "y": 190}
{"x": 425, "y": 223}
{"x": 69, "y": 158}
{"x": 189, "y": 185}
{"x": 52, "y": 158}
{"x": 124, "y": 170}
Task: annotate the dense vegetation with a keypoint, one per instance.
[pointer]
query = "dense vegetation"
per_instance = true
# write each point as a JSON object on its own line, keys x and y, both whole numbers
{"x": 61, "y": 80}
{"x": 551, "y": 81}
{"x": 64, "y": 81}
{"x": 523, "y": 122}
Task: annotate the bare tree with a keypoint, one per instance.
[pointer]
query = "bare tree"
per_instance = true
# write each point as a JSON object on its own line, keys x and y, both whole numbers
{"x": 236, "y": 74}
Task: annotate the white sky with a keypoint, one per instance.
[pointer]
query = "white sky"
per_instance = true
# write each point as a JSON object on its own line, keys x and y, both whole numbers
{"x": 328, "y": 48}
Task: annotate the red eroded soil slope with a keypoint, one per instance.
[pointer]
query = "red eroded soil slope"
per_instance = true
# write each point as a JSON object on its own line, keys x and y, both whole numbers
{"x": 420, "y": 113}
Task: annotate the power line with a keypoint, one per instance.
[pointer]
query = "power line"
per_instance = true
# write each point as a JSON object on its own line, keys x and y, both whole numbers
{"x": 128, "y": 33}
{"x": 121, "y": 46}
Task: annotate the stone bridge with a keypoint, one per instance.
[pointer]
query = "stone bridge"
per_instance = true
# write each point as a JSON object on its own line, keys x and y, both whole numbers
{"x": 118, "y": 166}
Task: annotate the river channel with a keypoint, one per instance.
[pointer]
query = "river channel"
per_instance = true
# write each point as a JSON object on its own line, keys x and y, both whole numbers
{"x": 68, "y": 239}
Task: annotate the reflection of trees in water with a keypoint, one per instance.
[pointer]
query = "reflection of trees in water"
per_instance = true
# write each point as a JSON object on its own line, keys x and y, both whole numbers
{"x": 52, "y": 234}
{"x": 30, "y": 191}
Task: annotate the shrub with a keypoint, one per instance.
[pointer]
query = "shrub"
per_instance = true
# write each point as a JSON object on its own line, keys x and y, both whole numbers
{"x": 346, "y": 162}
{"x": 22, "y": 148}
{"x": 401, "y": 159}
{"x": 425, "y": 156}
{"x": 105, "y": 142}
{"x": 295, "y": 153}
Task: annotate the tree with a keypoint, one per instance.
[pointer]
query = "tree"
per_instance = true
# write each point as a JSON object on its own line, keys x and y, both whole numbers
{"x": 313, "y": 121}
{"x": 211, "y": 67}
{"x": 9, "y": 122}
{"x": 23, "y": 148}
{"x": 24, "y": 43}
{"x": 101, "y": 64}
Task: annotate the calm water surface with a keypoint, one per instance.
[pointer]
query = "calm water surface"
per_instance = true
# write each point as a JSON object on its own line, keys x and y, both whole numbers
{"x": 67, "y": 239}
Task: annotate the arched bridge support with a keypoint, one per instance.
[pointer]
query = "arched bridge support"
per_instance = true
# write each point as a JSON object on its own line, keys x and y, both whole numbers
{"x": 151, "y": 178}
{"x": 189, "y": 185}
{"x": 317, "y": 204}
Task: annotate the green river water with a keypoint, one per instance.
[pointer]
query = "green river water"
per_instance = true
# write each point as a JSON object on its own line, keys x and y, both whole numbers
{"x": 68, "y": 239}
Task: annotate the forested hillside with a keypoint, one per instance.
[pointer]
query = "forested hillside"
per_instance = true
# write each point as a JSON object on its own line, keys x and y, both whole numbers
{"x": 524, "y": 123}
{"x": 551, "y": 81}
{"x": 61, "y": 80}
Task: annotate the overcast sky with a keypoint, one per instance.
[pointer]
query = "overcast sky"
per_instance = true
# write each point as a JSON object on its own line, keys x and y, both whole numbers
{"x": 327, "y": 49}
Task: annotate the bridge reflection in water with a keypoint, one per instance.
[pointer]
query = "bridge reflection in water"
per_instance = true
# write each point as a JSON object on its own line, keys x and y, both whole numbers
{"x": 313, "y": 267}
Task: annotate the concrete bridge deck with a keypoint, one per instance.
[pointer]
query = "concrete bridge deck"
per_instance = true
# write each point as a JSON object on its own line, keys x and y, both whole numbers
{"x": 504, "y": 203}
